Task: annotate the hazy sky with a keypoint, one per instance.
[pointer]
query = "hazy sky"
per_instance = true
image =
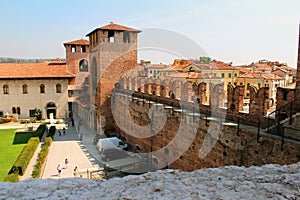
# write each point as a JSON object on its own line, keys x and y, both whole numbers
{"x": 232, "y": 30}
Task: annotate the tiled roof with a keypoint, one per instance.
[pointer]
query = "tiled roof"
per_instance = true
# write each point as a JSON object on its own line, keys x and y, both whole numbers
{"x": 222, "y": 66}
{"x": 113, "y": 26}
{"x": 244, "y": 70}
{"x": 33, "y": 70}
{"x": 261, "y": 75}
{"x": 156, "y": 66}
{"x": 78, "y": 42}
{"x": 117, "y": 27}
{"x": 273, "y": 77}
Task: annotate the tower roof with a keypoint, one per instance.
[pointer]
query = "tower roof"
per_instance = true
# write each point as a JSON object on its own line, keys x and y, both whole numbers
{"x": 78, "y": 42}
{"x": 116, "y": 27}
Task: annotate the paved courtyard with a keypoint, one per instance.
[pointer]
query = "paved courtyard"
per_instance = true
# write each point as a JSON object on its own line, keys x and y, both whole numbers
{"x": 68, "y": 146}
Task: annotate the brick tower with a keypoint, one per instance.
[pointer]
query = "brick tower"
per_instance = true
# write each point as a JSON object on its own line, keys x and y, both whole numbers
{"x": 113, "y": 52}
{"x": 298, "y": 63}
{"x": 76, "y": 53}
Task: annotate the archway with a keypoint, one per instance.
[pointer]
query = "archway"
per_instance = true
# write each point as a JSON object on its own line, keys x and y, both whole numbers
{"x": 51, "y": 109}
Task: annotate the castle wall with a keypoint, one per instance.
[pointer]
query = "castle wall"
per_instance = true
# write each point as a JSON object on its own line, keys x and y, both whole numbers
{"x": 232, "y": 147}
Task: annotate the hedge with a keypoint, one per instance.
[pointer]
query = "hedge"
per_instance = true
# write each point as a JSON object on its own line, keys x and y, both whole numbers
{"x": 51, "y": 131}
{"x": 24, "y": 158}
{"x": 38, "y": 168}
{"x": 12, "y": 178}
{"x": 39, "y": 132}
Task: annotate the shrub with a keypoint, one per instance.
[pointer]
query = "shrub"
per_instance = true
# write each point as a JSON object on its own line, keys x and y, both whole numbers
{"x": 40, "y": 131}
{"x": 38, "y": 168}
{"x": 51, "y": 131}
{"x": 12, "y": 178}
{"x": 24, "y": 158}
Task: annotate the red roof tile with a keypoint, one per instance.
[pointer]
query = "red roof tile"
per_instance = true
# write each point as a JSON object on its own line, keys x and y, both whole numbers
{"x": 260, "y": 75}
{"x": 156, "y": 66}
{"x": 33, "y": 70}
{"x": 222, "y": 66}
{"x": 117, "y": 27}
{"x": 78, "y": 42}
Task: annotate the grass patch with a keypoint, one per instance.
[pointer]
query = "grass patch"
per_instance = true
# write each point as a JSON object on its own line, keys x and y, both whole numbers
{"x": 8, "y": 151}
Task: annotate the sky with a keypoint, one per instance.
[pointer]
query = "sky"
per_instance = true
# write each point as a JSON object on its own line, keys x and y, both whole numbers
{"x": 238, "y": 31}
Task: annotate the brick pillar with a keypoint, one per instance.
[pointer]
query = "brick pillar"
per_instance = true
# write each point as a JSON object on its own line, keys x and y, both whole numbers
{"x": 298, "y": 62}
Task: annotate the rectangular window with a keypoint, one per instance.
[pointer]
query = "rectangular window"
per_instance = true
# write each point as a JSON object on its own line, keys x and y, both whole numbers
{"x": 235, "y": 75}
{"x": 1, "y": 114}
{"x": 31, "y": 113}
{"x": 258, "y": 85}
{"x": 248, "y": 86}
{"x": 229, "y": 75}
{"x": 223, "y": 75}
{"x": 126, "y": 37}
{"x": 83, "y": 49}
{"x": 111, "y": 36}
{"x": 73, "y": 49}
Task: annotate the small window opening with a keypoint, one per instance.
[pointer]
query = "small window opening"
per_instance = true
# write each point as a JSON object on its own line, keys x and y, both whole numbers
{"x": 73, "y": 49}
{"x": 42, "y": 88}
{"x": 111, "y": 36}
{"x": 58, "y": 88}
{"x": 18, "y": 110}
{"x": 83, "y": 49}
{"x": 5, "y": 89}
{"x": 126, "y": 37}
{"x": 25, "y": 89}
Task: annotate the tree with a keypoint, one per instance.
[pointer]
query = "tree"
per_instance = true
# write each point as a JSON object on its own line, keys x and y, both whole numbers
{"x": 205, "y": 59}
{"x": 38, "y": 114}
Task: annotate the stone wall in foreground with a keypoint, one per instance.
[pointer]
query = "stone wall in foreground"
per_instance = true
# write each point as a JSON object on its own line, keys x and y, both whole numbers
{"x": 266, "y": 182}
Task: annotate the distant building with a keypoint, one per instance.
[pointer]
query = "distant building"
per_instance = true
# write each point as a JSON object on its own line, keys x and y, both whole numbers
{"x": 29, "y": 86}
{"x": 261, "y": 79}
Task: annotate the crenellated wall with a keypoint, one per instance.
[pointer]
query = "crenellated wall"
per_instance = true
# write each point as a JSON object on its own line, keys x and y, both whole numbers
{"x": 153, "y": 127}
{"x": 193, "y": 95}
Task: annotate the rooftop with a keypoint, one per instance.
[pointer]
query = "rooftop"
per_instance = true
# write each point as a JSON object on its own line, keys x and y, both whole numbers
{"x": 78, "y": 42}
{"x": 33, "y": 70}
{"x": 116, "y": 27}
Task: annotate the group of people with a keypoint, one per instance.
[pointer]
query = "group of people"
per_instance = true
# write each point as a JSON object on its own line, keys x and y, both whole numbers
{"x": 63, "y": 131}
{"x": 59, "y": 168}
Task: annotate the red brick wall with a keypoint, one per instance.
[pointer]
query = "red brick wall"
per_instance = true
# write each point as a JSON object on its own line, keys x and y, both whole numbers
{"x": 231, "y": 149}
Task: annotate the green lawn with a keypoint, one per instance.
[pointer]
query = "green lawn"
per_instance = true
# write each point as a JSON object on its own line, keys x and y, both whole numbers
{"x": 9, "y": 151}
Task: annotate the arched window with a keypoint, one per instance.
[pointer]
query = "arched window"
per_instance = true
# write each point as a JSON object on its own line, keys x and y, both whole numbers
{"x": 19, "y": 110}
{"x": 42, "y": 88}
{"x": 5, "y": 89}
{"x": 14, "y": 111}
{"x": 58, "y": 88}
{"x": 25, "y": 89}
{"x": 83, "y": 66}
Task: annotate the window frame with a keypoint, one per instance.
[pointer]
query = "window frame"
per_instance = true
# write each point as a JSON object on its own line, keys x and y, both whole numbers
{"x": 58, "y": 88}
{"x": 5, "y": 89}
{"x": 42, "y": 89}
{"x": 25, "y": 89}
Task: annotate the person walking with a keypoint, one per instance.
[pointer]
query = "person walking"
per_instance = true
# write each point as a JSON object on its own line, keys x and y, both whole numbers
{"x": 59, "y": 170}
{"x": 66, "y": 163}
{"x": 75, "y": 172}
